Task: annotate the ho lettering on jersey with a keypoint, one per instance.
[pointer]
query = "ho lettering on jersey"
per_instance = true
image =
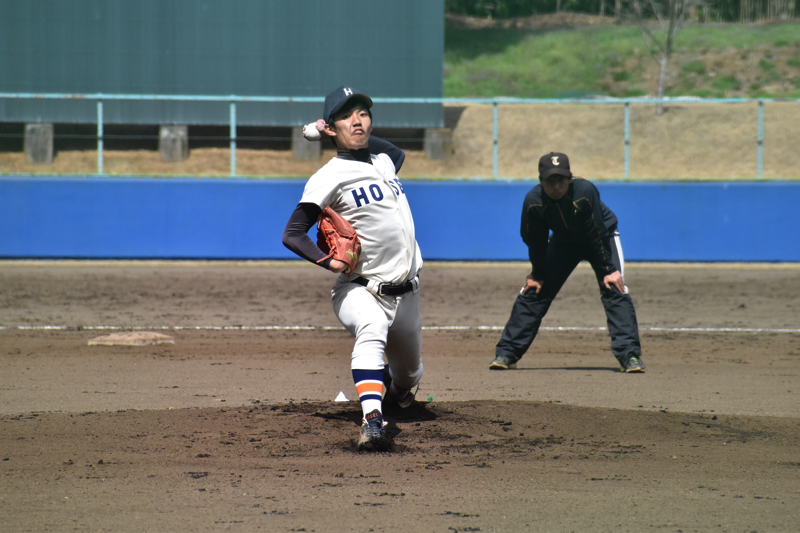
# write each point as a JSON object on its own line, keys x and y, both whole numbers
{"x": 362, "y": 196}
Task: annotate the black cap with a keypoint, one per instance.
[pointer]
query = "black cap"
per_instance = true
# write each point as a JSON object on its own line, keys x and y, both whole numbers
{"x": 554, "y": 163}
{"x": 338, "y": 98}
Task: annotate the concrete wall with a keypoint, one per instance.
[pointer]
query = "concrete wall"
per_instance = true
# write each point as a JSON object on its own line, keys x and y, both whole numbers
{"x": 456, "y": 220}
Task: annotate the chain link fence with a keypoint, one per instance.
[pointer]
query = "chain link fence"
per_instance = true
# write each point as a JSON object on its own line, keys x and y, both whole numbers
{"x": 614, "y": 139}
{"x": 702, "y": 139}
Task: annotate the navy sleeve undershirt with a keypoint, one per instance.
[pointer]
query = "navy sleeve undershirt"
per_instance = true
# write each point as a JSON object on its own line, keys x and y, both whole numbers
{"x": 295, "y": 235}
{"x": 381, "y": 146}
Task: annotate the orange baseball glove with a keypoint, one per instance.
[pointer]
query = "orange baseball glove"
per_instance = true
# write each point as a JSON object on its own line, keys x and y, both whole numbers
{"x": 337, "y": 238}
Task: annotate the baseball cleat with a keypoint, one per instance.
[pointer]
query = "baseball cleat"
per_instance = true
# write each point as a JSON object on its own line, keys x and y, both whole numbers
{"x": 634, "y": 364}
{"x": 402, "y": 398}
{"x": 373, "y": 433}
{"x": 502, "y": 363}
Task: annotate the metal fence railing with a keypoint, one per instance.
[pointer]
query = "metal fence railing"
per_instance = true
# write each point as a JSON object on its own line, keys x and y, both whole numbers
{"x": 502, "y": 138}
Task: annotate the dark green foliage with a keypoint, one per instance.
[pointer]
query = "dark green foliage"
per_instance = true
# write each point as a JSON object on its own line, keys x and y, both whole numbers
{"x": 702, "y": 93}
{"x": 725, "y": 83}
{"x": 766, "y": 65}
{"x": 695, "y": 66}
{"x": 468, "y": 44}
{"x": 718, "y": 10}
{"x": 518, "y": 8}
{"x": 634, "y": 92}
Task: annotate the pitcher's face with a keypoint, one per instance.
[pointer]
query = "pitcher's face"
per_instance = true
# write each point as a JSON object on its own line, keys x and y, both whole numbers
{"x": 352, "y": 128}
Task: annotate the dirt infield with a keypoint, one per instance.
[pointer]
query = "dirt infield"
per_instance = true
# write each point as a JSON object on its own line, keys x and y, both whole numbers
{"x": 234, "y": 428}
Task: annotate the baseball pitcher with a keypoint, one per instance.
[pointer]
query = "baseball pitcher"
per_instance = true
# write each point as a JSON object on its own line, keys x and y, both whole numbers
{"x": 376, "y": 295}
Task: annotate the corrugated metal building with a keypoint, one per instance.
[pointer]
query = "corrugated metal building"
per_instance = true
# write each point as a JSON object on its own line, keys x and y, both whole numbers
{"x": 218, "y": 47}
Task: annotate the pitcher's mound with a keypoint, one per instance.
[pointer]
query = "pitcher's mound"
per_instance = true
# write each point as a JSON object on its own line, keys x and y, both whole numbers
{"x": 132, "y": 338}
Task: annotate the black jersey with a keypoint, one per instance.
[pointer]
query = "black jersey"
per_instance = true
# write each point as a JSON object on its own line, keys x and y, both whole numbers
{"x": 579, "y": 217}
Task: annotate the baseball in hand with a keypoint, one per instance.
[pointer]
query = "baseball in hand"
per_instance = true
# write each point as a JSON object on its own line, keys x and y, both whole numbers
{"x": 310, "y": 132}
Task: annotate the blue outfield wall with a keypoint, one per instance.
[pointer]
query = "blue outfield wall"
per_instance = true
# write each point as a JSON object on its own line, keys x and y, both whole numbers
{"x": 193, "y": 218}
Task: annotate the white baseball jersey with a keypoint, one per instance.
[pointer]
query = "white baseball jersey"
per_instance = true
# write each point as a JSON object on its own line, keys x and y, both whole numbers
{"x": 372, "y": 199}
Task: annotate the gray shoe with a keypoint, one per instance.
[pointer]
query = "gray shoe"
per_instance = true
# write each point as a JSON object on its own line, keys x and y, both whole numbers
{"x": 402, "y": 398}
{"x": 373, "y": 433}
{"x": 634, "y": 364}
{"x": 502, "y": 362}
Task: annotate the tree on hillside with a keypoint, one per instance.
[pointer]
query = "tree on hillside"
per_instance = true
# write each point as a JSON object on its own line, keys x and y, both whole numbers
{"x": 758, "y": 10}
{"x": 659, "y": 22}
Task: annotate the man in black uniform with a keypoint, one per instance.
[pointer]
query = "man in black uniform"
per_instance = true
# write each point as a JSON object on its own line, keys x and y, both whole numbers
{"x": 583, "y": 229}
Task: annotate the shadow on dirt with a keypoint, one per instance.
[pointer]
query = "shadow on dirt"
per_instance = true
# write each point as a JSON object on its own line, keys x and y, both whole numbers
{"x": 586, "y": 368}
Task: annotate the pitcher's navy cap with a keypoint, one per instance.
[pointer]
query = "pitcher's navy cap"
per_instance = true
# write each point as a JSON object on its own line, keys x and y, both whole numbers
{"x": 338, "y": 98}
{"x": 554, "y": 163}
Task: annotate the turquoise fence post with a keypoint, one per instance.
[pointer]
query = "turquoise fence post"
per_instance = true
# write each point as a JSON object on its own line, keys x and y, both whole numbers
{"x": 233, "y": 139}
{"x": 495, "y": 161}
{"x": 627, "y": 140}
{"x": 100, "y": 137}
{"x": 760, "y": 141}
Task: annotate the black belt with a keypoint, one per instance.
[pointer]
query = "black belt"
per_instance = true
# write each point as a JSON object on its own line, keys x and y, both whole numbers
{"x": 387, "y": 289}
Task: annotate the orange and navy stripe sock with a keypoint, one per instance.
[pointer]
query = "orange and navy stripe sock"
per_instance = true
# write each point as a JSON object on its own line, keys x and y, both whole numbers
{"x": 369, "y": 385}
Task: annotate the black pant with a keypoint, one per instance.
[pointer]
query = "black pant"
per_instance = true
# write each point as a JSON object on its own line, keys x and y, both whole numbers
{"x": 529, "y": 309}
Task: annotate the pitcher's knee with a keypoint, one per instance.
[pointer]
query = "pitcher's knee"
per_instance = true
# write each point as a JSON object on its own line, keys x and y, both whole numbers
{"x": 407, "y": 378}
